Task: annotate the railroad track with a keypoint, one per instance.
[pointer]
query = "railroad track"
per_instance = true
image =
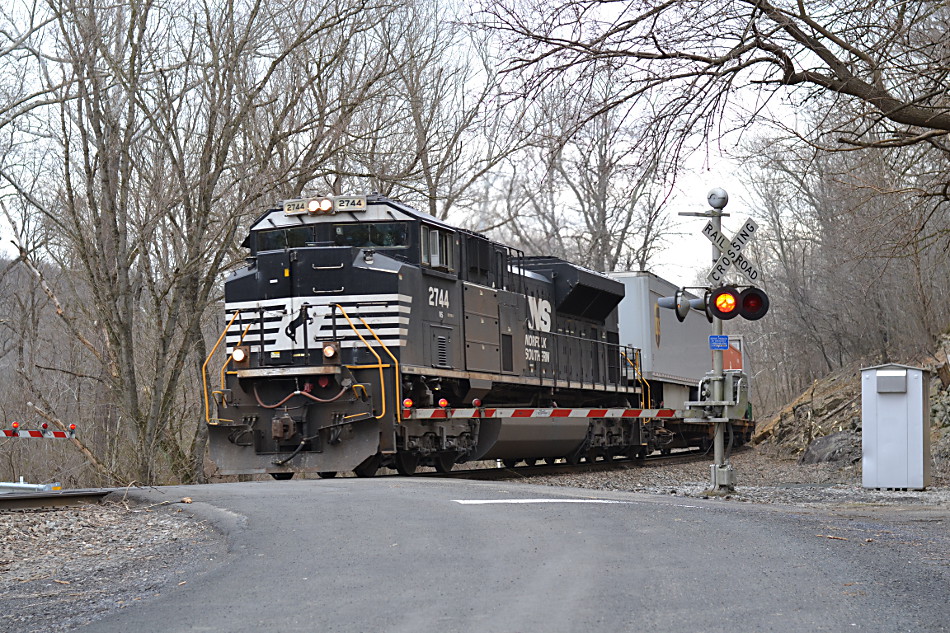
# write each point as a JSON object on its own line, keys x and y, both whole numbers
{"x": 40, "y": 500}
{"x": 37, "y": 500}
{"x": 525, "y": 471}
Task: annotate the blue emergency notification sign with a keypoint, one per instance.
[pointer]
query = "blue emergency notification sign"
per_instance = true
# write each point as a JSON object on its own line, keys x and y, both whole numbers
{"x": 719, "y": 341}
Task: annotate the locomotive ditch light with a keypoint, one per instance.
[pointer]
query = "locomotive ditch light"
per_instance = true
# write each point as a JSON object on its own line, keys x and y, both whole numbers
{"x": 678, "y": 303}
{"x": 331, "y": 353}
{"x": 239, "y": 355}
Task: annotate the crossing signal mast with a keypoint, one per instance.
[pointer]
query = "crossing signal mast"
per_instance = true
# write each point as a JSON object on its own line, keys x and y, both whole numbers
{"x": 723, "y": 395}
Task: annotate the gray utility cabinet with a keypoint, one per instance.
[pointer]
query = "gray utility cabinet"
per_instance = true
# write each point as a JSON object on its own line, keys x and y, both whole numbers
{"x": 895, "y": 436}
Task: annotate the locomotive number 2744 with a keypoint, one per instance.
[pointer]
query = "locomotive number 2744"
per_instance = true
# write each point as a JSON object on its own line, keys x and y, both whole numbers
{"x": 438, "y": 297}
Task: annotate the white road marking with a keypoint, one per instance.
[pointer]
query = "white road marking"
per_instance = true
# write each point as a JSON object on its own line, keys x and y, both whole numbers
{"x": 480, "y": 502}
{"x": 485, "y": 502}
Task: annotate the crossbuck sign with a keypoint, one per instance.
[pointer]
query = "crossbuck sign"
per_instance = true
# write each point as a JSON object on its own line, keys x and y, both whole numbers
{"x": 731, "y": 252}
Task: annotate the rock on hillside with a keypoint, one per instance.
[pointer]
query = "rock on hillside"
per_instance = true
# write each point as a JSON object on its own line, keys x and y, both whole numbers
{"x": 824, "y": 422}
{"x": 830, "y": 405}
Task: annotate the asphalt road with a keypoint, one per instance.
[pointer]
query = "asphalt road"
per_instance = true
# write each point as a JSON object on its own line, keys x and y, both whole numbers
{"x": 403, "y": 555}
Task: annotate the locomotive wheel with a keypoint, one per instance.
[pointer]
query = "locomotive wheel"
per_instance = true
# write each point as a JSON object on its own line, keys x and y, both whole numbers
{"x": 509, "y": 463}
{"x": 574, "y": 458}
{"x": 282, "y": 476}
{"x": 406, "y": 462}
{"x": 444, "y": 461}
{"x": 550, "y": 461}
{"x": 530, "y": 462}
{"x": 327, "y": 474}
{"x": 369, "y": 466}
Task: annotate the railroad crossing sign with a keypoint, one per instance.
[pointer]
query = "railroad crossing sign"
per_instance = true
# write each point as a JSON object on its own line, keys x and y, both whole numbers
{"x": 731, "y": 252}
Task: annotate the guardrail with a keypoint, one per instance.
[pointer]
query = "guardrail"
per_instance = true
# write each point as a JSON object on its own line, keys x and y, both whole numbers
{"x": 43, "y": 432}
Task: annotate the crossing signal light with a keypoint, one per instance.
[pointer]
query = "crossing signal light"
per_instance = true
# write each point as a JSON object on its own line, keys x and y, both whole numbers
{"x": 753, "y": 303}
{"x": 727, "y": 303}
{"x": 724, "y": 303}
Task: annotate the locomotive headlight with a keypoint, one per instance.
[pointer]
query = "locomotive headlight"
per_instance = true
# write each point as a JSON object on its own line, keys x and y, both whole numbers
{"x": 239, "y": 355}
{"x": 320, "y": 205}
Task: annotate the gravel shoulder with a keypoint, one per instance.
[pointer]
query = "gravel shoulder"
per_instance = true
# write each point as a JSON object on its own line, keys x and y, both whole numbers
{"x": 764, "y": 477}
{"x": 63, "y": 568}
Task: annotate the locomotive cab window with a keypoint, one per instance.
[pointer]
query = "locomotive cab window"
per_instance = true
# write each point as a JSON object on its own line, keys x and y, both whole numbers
{"x": 280, "y": 239}
{"x": 438, "y": 248}
{"x": 377, "y": 234}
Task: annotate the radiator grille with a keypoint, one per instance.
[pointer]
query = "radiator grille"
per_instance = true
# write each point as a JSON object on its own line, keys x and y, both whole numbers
{"x": 442, "y": 351}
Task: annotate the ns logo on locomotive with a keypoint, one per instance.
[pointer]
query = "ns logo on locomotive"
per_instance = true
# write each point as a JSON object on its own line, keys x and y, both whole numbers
{"x": 354, "y": 313}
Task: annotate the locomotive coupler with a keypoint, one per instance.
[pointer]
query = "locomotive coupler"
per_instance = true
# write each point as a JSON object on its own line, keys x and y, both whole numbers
{"x": 283, "y": 427}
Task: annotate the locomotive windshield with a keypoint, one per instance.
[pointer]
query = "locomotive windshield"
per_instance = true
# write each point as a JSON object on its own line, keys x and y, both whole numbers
{"x": 279, "y": 239}
{"x": 377, "y": 234}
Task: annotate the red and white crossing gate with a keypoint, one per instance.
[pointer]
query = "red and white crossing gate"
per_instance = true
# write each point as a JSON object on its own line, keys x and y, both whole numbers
{"x": 45, "y": 432}
{"x": 485, "y": 412}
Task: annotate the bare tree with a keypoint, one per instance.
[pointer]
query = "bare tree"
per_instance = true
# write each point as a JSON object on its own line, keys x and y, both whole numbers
{"x": 588, "y": 189}
{"x": 853, "y": 282}
{"x": 164, "y": 131}
{"x": 890, "y": 57}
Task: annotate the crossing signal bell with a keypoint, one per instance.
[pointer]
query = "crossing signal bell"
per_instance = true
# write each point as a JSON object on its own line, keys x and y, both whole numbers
{"x": 681, "y": 305}
{"x": 678, "y": 303}
{"x": 727, "y": 303}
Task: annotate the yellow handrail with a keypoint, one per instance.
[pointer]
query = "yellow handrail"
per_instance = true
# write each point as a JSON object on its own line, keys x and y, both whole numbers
{"x": 396, "y": 365}
{"x": 640, "y": 378}
{"x": 228, "y": 358}
{"x": 204, "y": 366}
{"x": 379, "y": 361}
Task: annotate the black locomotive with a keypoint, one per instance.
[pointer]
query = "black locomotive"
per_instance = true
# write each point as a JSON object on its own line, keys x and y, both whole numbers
{"x": 354, "y": 311}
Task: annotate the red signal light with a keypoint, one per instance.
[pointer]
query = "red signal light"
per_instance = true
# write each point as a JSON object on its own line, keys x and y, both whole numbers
{"x": 476, "y": 403}
{"x": 728, "y": 303}
{"x": 724, "y": 303}
{"x": 45, "y": 426}
{"x": 753, "y": 303}
{"x": 15, "y": 425}
{"x": 72, "y": 427}
{"x": 407, "y": 403}
{"x": 443, "y": 402}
